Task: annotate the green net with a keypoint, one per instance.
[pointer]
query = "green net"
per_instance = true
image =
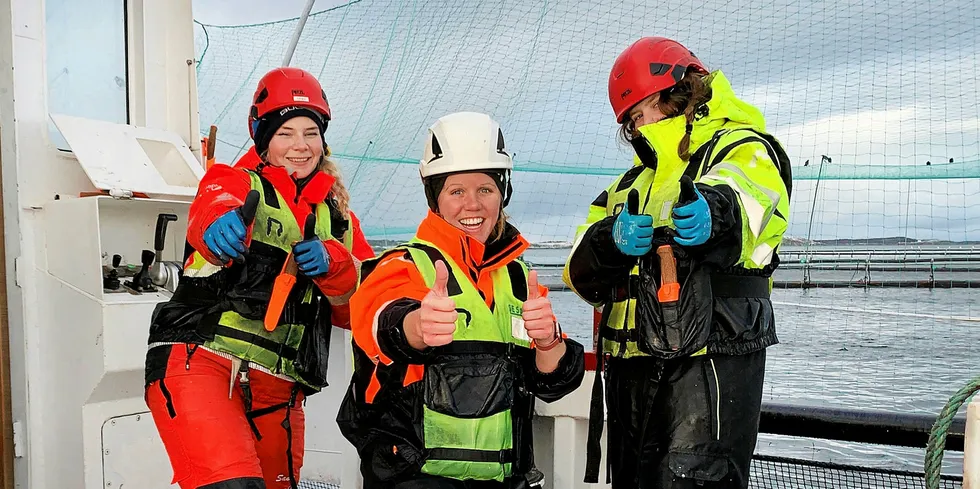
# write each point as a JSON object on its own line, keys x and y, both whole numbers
{"x": 886, "y": 90}
{"x": 779, "y": 473}
{"x": 876, "y": 101}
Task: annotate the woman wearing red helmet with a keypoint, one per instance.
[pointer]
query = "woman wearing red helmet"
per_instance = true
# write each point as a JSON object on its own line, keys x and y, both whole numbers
{"x": 679, "y": 253}
{"x": 271, "y": 260}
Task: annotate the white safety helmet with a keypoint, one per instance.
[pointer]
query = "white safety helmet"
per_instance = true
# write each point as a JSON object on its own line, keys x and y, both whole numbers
{"x": 465, "y": 142}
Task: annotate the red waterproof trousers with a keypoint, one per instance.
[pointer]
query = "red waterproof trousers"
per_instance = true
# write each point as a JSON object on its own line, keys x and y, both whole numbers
{"x": 211, "y": 442}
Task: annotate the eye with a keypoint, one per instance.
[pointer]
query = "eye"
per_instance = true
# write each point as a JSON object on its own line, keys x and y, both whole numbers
{"x": 486, "y": 190}
{"x": 457, "y": 191}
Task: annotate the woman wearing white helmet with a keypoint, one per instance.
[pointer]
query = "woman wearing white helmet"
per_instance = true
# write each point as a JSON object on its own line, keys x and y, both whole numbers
{"x": 453, "y": 336}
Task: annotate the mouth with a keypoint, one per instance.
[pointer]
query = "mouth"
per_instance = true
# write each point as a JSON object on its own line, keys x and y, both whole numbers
{"x": 472, "y": 223}
{"x": 299, "y": 161}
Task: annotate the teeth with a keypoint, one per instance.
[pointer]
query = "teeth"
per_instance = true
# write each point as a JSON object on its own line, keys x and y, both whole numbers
{"x": 472, "y": 221}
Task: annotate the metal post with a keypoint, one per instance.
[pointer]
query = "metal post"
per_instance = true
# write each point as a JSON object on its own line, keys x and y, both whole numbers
{"x": 867, "y": 272}
{"x": 299, "y": 31}
{"x": 971, "y": 446}
{"x": 813, "y": 208}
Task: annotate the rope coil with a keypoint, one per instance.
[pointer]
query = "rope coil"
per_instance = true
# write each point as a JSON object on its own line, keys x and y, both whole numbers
{"x": 937, "y": 437}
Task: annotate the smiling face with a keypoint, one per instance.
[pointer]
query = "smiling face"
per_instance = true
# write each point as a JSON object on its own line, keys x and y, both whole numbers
{"x": 297, "y": 145}
{"x": 471, "y": 202}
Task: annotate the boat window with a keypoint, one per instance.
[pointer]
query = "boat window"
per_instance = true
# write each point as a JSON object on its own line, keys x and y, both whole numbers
{"x": 86, "y": 61}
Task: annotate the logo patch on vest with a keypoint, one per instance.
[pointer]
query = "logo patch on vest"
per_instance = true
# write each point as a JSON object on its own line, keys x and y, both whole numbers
{"x": 517, "y": 328}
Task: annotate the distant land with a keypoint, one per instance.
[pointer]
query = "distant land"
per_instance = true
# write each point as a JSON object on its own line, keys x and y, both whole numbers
{"x": 891, "y": 241}
{"x": 381, "y": 244}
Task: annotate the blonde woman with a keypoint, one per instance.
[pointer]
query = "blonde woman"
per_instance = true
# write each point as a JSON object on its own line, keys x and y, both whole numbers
{"x": 226, "y": 372}
{"x": 454, "y": 338}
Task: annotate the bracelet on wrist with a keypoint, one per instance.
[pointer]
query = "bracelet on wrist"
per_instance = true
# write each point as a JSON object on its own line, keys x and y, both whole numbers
{"x": 557, "y": 339}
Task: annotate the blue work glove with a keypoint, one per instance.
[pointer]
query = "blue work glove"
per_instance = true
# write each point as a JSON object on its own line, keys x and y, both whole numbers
{"x": 633, "y": 232}
{"x": 692, "y": 218}
{"x": 225, "y": 237}
{"x": 311, "y": 257}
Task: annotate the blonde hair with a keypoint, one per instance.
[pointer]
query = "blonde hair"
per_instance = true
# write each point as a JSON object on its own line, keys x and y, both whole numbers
{"x": 498, "y": 230}
{"x": 339, "y": 191}
{"x": 328, "y": 166}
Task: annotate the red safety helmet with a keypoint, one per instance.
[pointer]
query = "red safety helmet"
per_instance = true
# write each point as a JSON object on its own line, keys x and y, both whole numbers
{"x": 648, "y": 66}
{"x": 287, "y": 87}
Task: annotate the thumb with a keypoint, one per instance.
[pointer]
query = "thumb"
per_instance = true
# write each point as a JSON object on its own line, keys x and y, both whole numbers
{"x": 532, "y": 285}
{"x": 440, "y": 286}
{"x": 309, "y": 229}
{"x": 247, "y": 211}
{"x": 633, "y": 202}
{"x": 688, "y": 193}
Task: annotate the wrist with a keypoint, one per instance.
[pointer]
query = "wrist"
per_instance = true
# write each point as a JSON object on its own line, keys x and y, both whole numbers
{"x": 554, "y": 342}
{"x": 411, "y": 327}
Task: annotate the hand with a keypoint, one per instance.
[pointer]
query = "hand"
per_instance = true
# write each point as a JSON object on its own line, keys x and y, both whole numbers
{"x": 437, "y": 316}
{"x": 225, "y": 237}
{"x": 633, "y": 232}
{"x": 539, "y": 318}
{"x": 691, "y": 215}
{"x": 311, "y": 257}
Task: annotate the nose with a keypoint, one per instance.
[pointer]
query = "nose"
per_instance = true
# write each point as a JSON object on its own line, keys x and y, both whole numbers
{"x": 471, "y": 202}
{"x": 298, "y": 142}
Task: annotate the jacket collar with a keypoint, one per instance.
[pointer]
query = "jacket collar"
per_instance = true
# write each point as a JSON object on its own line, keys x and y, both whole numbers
{"x": 724, "y": 109}
{"x": 467, "y": 251}
{"x": 315, "y": 189}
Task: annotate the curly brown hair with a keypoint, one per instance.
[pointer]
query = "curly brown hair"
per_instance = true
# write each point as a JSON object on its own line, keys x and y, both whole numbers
{"x": 686, "y": 97}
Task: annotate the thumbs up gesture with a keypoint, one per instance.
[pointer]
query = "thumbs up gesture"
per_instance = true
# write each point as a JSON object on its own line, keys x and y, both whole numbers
{"x": 633, "y": 232}
{"x": 437, "y": 316}
{"x": 691, "y": 215}
{"x": 539, "y": 318}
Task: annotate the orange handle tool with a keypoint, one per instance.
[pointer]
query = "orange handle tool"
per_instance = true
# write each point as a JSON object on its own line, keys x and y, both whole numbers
{"x": 285, "y": 281}
{"x": 670, "y": 290}
{"x": 280, "y": 292}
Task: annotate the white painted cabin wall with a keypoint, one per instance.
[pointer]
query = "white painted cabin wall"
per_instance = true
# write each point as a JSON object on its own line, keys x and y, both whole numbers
{"x": 72, "y": 356}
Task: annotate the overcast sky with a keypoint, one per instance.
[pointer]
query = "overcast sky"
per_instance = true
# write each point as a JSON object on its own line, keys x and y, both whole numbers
{"x": 237, "y": 12}
{"x": 867, "y": 82}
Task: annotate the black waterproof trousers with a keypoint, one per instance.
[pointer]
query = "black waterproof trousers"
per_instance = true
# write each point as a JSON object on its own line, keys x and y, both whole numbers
{"x": 683, "y": 423}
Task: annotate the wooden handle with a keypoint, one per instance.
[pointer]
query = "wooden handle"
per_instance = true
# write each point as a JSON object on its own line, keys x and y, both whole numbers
{"x": 212, "y": 141}
{"x": 668, "y": 265}
{"x": 291, "y": 267}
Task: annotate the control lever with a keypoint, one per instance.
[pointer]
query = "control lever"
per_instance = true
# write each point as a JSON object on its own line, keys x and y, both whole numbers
{"x": 111, "y": 281}
{"x": 164, "y": 274}
{"x": 141, "y": 281}
{"x": 160, "y": 236}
